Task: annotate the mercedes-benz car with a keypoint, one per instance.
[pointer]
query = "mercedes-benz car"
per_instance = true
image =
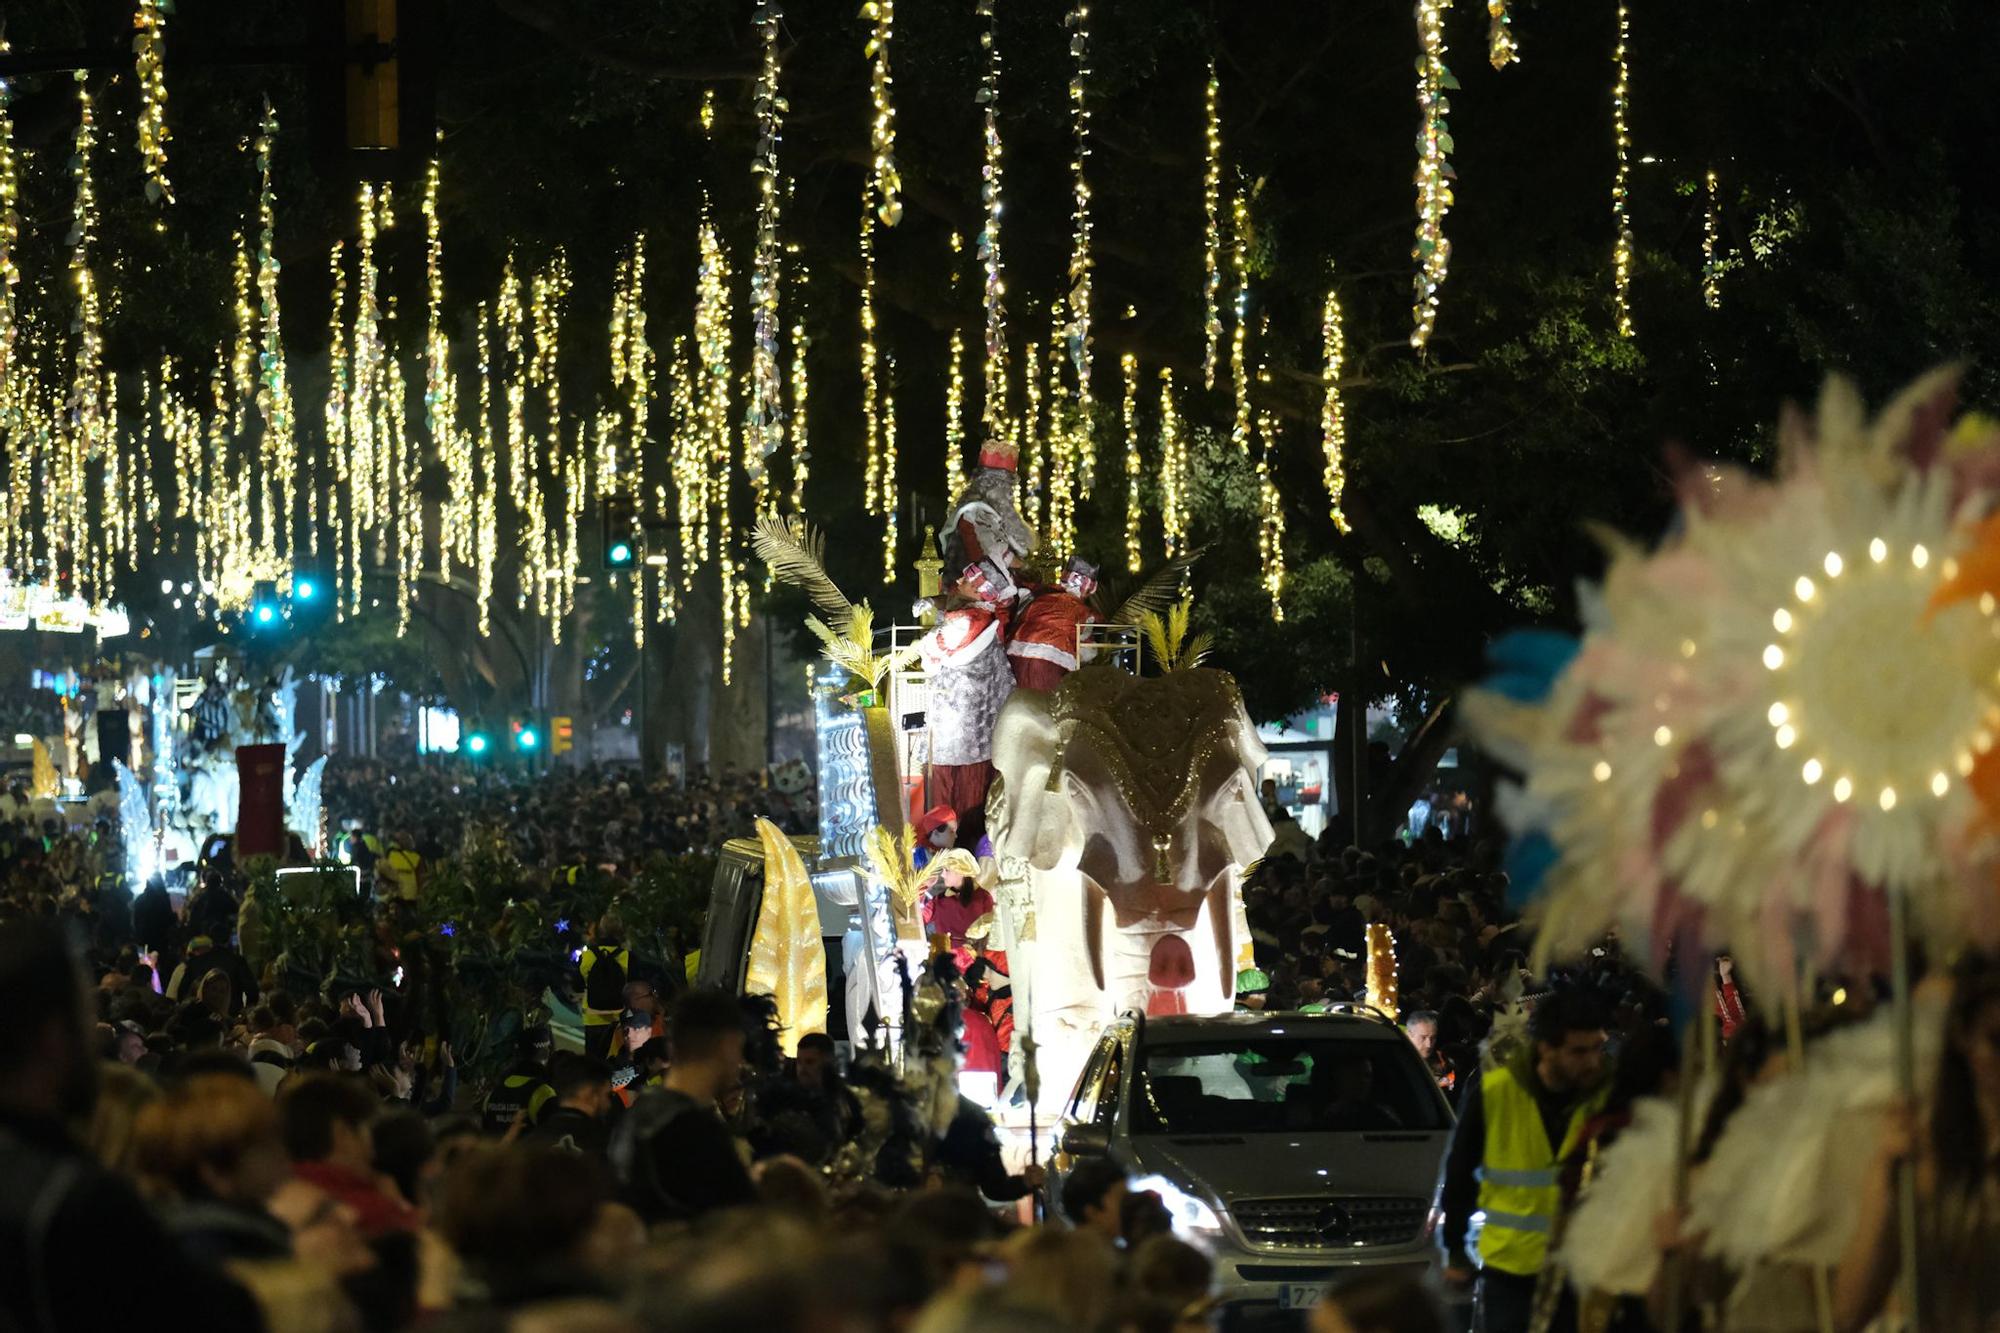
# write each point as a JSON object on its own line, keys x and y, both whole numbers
{"x": 1291, "y": 1147}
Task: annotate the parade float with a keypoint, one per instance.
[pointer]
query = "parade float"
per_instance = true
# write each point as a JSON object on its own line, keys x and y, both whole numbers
{"x": 1109, "y": 807}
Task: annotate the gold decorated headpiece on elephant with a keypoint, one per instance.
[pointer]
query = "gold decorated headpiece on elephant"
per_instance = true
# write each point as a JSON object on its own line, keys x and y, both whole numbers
{"x": 1133, "y": 801}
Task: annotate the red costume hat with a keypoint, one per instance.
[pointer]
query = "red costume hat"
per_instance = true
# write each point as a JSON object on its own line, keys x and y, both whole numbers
{"x": 932, "y": 820}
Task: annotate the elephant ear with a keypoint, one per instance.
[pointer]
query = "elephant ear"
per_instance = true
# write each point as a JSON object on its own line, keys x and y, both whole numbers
{"x": 1027, "y": 818}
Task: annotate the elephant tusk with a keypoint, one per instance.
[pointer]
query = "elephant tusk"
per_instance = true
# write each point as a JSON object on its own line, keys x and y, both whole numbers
{"x": 1093, "y": 929}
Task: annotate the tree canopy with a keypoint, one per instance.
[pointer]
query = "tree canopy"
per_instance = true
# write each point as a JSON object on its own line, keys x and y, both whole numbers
{"x": 1855, "y": 230}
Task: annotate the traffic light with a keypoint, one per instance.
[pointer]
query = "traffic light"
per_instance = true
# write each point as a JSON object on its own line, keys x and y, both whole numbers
{"x": 265, "y": 611}
{"x": 477, "y": 744}
{"x": 372, "y": 86}
{"x": 562, "y": 735}
{"x": 624, "y": 539}
{"x": 527, "y": 739}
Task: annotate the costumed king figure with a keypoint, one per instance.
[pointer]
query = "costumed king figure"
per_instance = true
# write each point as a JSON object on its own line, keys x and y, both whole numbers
{"x": 965, "y": 657}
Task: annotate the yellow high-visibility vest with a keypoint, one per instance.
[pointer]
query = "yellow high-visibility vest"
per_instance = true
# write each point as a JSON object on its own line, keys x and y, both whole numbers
{"x": 1519, "y": 1189}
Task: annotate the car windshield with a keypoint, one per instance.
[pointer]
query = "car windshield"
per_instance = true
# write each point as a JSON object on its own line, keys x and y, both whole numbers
{"x": 1268, "y": 1085}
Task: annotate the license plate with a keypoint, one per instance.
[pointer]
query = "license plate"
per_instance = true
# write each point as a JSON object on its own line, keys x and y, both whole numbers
{"x": 1300, "y": 1295}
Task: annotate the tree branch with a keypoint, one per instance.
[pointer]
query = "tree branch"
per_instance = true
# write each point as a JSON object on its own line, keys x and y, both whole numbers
{"x": 562, "y": 27}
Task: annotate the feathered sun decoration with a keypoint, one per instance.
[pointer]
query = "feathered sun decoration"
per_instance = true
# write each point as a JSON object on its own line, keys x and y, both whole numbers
{"x": 1786, "y": 709}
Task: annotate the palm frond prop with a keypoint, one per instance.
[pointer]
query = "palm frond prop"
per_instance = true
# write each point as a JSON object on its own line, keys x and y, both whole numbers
{"x": 852, "y": 647}
{"x": 1168, "y": 637}
{"x": 894, "y": 863}
{"x": 1153, "y": 591}
{"x": 796, "y": 553}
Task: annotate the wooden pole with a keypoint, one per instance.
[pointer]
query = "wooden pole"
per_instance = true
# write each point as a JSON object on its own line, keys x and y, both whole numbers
{"x": 1906, "y": 1080}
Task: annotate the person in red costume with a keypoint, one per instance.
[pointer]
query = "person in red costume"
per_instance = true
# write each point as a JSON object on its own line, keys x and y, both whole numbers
{"x": 1043, "y": 645}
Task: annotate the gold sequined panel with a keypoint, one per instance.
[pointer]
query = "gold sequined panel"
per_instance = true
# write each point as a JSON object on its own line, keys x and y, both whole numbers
{"x": 1155, "y": 733}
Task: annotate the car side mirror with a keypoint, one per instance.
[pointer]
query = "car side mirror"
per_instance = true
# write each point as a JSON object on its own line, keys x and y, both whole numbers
{"x": 1086, "y": 1141}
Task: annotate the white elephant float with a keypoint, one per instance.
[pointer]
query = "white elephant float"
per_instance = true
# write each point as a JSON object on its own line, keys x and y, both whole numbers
{"x": 1123, "y": 814}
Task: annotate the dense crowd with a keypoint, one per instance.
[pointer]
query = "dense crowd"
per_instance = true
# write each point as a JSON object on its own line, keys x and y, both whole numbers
{"x": 589, "y": 816}
{"x": 312, "y": 1155}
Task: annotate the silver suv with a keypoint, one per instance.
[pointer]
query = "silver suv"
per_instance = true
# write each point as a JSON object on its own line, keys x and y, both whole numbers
{"x": 1291, "y": 1147}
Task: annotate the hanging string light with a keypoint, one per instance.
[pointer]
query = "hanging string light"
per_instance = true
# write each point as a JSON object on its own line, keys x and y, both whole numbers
{"x": 89, "y": 433}
{"x": 1501, "y": 47}
{"x": 887, "y": 178}
{"x": 954, "y": 417}
{"x": 1173, "y": 467}
{"x": 1064, "y": 460}
{"x": 763, "y": 422}
{"x": 1129, "y": 415}
{"x": 274, "y": 390}
{"x": 371, "y": 477}
{"x": 994, "y": 410}
{"x": 871, "y": 387}
{"x": 1239, "y": 359}
{"x": 889, "y": 512}
{"x": 487, "y": 547}
{"x": 457, "y": 538}
{"x": 1035, "y": 440}
{"x": 1711, "y": 270}
{"x": 1270, "y": 517}
{"x": 336, "y": 423}
{"x": 1332, "y": 412}
{"x": 149, "y": 46}
{"x": 1434, "y": 174}
{"x": 1211, "y": 236}
{"x": 801, "y": 442}
{"x": 10, "y": 236}
{"x": 1082, "y": 266}
{"x": 1621, "y": 253}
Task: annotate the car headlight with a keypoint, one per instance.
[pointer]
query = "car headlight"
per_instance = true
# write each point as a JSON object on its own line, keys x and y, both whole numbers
{"x": 1193, "y": 1218}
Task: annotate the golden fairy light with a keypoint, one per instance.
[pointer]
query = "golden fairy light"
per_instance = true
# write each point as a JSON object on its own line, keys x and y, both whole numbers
{"x": 1333, "y": 412}
{"x": 882, "y": 170}
{"x": 149, "y": 44}
{"x": 763, "y": 425}
{"x": 801, "y": 441}
{"x": 1239, "y": 360}
{"x": 1082, "y": 266}
{"x": 1173, "y": 467}
{"x": 1034, "y": 440}
{"x": 274, "y": 390}
{"x": 1432, "y": 251}
{"x": 457, "y": 538}
{"x": 486, "y": 547}
{"x": 954, "y": 417}
{"x": 10, "y": 236}
{"x": 1064, "y": 456}
{"x": 336, "y": 421}
{"x": 90, "y": 425}
{"x": 1129, "y": 415}
{"x": 1621, "y": 254}
{"x": 1211, "y": 236}
{"x": 994, "y": 410}
{"x": 1711, "y": 271}
{"x": 1270, "y": 517}
{"x": 871, "y": 388}
{"x": 1501, "y": 48}
{"x": 889, "y": 513}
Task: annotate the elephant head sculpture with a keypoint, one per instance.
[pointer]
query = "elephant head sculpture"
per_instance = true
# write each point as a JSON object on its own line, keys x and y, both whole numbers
{"x": 1131, "y": 801}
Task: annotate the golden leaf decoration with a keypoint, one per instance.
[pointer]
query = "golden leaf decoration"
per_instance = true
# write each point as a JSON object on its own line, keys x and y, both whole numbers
{"x": 1169, "y": 639}
{"x": 894, "y": 862}
{"x": 787, "y": 958}
{"x": 796, "y": 554}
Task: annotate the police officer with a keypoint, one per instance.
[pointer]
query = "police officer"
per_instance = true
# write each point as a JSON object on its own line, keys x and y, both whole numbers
{"x": 523, "y": 1089}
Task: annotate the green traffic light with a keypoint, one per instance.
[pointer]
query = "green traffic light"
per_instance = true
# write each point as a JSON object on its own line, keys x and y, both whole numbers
{"x": 476, "y": 743}
{"x": 621, "y": 553}
{"x": 527, "y": 739}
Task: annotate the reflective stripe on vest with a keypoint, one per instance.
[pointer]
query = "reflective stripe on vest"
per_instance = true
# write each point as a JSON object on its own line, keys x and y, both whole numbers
{"x": 1519, "y": 1190}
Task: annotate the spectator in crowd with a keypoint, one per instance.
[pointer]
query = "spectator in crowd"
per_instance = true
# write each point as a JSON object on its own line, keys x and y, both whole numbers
{"x": 672, "y": 1152}
{"x": 575, "y": 1120}
{"x": 326, "y": 1127}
